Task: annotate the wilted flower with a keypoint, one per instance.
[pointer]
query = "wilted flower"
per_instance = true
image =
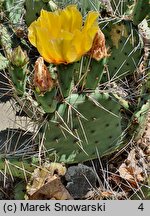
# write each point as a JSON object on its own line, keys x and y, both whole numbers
{"x": 60, "y": 36}
{"x": 42, "y": 79}
{"x": 19, "y": 57}
{"x": 98, "y": 50}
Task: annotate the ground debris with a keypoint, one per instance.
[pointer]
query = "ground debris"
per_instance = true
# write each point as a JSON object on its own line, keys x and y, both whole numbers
{"x": 45, "y": 184}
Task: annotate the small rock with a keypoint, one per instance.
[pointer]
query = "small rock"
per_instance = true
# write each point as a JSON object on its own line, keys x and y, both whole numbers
{"x": 80, "y": 180}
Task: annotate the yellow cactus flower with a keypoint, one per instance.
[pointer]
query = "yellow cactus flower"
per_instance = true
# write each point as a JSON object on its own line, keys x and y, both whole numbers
{"x": 60, "y": 37}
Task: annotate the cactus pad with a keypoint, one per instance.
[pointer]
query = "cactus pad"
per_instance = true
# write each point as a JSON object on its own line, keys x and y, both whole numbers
{"x": 33, "y": 8}
{"x": 125, "y": 48}
{"x": 141, "y": 10}
{"x": 14, "y": 10}
{"x": 96, "y": 126}
{"x": 3, "y": 62}
{"x": 121, "y": 7}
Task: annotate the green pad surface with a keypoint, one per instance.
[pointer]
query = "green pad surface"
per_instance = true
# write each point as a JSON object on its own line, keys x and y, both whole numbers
{"x": 91, "y": 128}
{"x": 121, "y": 7}
{"x": 125, "y": 48}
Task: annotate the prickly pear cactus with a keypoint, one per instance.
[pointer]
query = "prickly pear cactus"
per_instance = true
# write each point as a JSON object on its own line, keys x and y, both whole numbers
{"x": 82, "y": 94}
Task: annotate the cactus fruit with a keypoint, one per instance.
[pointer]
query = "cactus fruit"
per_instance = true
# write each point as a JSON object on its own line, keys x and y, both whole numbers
{"x": 65, "y": 75}
{"x": 18, "y": 69}
{"x": 45, "y": 91}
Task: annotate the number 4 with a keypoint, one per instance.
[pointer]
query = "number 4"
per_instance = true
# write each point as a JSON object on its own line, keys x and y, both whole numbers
{"x": 141, "y": 207}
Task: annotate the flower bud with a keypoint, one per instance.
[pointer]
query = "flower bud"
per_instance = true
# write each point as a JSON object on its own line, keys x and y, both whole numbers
{"x": 42, "y": 79}
{"x": 98, "y": 50}
{"x": 19, "y": 57}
